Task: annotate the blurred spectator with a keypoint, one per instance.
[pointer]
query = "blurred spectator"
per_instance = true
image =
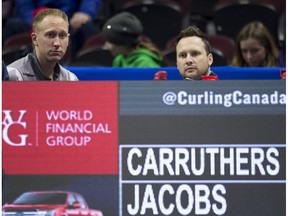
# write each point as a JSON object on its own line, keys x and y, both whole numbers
{"x": 255, "y": 47}
{"x": 50, "y": 38}
{"x": 282, "y": 57}
{"x": 81, "y": 14}
{"x": 122, "y": 34}
{"x": 282, "y": 39}
{"x": 7, "y": 10}
{"x": 193, "y": 55}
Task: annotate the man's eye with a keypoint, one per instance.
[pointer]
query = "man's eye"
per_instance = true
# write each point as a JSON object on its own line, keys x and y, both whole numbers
{"x": 183, "y": 55}
{"x": 63, "y": 36}
{"x": 195, "y": 54}
{"x": 51, "y": 35}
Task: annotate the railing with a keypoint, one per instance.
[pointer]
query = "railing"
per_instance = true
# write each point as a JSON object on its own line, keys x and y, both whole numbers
{"x": 224, "y": 73}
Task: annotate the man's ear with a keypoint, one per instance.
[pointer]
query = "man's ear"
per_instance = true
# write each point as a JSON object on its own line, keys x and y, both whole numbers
{"x": 68, "y": 39}
{"x": 210, "y": 59}
{"x": 34, "y": 38}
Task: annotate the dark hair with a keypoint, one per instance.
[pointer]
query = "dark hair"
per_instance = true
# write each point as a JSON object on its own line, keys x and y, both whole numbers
{"x": 194, "y": 31}
{"x": 153, "y": 48}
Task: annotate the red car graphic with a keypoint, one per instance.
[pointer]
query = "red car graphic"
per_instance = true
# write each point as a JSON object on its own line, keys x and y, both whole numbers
{"x": 49, "y": 203}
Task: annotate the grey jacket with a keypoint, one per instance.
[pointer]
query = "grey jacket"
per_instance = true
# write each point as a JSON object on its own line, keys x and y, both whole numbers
{"x": 28, "y": 69}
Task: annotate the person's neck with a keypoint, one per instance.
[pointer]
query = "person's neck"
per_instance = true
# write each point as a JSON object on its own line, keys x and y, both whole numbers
{"x": 131, "y": 50}
{"x": 208, "y": 73}
{"x": 46, "y": 67}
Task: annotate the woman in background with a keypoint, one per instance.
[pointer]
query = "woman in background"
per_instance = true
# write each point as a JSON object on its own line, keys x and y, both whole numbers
{"x": 255, "y": 47}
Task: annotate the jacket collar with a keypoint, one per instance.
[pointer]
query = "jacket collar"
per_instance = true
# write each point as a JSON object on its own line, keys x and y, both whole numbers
{"x": 38, "y": 71}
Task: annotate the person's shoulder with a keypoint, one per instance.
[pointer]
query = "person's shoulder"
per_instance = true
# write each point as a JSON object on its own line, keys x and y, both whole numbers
{"x": 17, "y": 68}
{"x": 20, "y": 62}
{"x": 146, "y": 53}
{"x": 67, "y": 75}
{"x": 146, "y": 58}
{"x": 146, "y": 62}
{"x": 211, "y": 76}
{"x": 14, "y": 74}
{"x": 5, "y": 75}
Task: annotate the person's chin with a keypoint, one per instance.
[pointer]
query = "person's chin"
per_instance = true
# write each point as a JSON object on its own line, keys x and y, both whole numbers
{"x": 190, "y": 75}
{"x": 252, "y": 64}
{"x": 55, "y": 58}
{"x": 56, "y": 54}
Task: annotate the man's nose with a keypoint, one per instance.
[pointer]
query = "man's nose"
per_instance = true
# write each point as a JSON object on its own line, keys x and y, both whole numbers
{"x": 56, "y": 41}
{"x": 189, "y": 59}
{"x": 107, "y": 46}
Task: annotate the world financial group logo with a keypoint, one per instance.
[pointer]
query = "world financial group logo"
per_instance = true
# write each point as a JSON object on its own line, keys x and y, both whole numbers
{"x": 72, "y": 134}
{"x": 53, "y": 128}
{"x": 9, "y": 122}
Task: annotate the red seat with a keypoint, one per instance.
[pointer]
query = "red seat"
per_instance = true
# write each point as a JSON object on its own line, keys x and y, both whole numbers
{"x": 96, "y": 40}
{"x": 14, "y": 46}
{"x": 231, "y": 17}
{"x": 184, "y": 5}
{"x": 160, "y": 20}
{"x": 223, "y": 43}
{"x": 93, "y": 56}
{"x": 279, "y": 5}
{"x": 203, "y": 8}
{"x": 20, "y": 41}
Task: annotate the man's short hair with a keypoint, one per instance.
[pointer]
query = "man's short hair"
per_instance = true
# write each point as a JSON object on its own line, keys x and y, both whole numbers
{"x": 196, "y": 32}
{"x": 48, "y": 12}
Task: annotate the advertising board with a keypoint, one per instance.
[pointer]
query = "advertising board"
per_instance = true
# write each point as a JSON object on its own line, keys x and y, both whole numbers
{"x": 149, "y": 147}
